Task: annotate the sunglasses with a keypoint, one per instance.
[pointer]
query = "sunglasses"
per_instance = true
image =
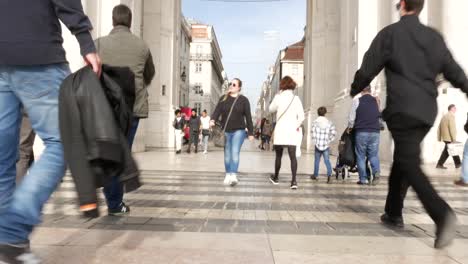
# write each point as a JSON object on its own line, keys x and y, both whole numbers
{"x": 232, "y": 84}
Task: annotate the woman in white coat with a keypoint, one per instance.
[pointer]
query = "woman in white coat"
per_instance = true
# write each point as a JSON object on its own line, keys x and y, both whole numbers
{"x": 289, "y": 118}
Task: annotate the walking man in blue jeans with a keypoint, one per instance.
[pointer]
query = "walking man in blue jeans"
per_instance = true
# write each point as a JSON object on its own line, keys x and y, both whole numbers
{"x": 323, "y": 133}
{"x": 32, "y": 67}
{"x": 364, "y": 119}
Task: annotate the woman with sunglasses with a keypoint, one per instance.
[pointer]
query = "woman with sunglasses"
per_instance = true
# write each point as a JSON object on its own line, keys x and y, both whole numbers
{"x": 234, "y": 111}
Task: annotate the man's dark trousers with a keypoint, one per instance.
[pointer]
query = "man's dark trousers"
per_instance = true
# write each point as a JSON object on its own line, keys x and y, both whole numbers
{"x": 445, "y": 155}
{"x": 408, "y": 133}
{"x": 114, "y": 191}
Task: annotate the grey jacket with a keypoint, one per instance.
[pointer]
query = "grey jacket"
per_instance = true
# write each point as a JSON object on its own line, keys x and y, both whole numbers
{"x": 123, "y": 49}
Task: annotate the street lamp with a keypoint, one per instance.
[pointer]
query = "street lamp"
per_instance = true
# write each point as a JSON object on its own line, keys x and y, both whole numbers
{"x": 183, "y": 76}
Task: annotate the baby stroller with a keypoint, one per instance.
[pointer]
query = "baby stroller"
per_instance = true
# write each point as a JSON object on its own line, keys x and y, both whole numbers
{"x": 346, "y": 162}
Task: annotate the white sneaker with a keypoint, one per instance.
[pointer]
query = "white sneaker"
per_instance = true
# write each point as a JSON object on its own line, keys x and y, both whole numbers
{"x": 227, "y": 179}
{"x": 205, "y": 152}
{"x": 234, "y": 180}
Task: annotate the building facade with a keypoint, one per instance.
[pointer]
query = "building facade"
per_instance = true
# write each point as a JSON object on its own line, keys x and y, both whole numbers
{"x": 206, "y": 68}
{"x": 338, "y": 34}
{"x": 184, "y": 63}
{"x": 159, "y": 24}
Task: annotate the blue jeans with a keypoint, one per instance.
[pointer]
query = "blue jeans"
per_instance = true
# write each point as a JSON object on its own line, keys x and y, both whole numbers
{"x": 234, "y": 141}
{"x": 326, "y": 159}
{"x": 465, "y": 163}
{"x": 367, "y": 146}
{"x": 114, "y": 191}
{"x": 37, "y": 89}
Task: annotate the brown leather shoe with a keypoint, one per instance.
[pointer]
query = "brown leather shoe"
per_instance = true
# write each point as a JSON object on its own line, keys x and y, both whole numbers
{"x": 461, "y": 183}
{"x": 442, "y": 167}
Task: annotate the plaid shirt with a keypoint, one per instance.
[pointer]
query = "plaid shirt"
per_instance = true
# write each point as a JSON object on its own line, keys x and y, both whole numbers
{"x": 323, "y": 136}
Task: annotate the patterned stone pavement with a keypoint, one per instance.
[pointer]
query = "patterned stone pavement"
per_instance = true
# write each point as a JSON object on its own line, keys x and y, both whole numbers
{"x": 183, "y": 216}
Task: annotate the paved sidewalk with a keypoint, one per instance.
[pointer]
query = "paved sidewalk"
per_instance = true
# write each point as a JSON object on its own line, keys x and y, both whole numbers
{"x": 183, "y": 214}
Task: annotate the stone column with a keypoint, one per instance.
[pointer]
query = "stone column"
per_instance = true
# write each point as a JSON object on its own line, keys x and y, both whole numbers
{"x": 160, "y": 26}
{"x": 322, "y": 58}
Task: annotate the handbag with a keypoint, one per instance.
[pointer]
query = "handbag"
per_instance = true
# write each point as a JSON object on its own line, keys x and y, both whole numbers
{"x": 205, "y": 132}
{"x": 219, "y": 137}
{"x": 455, "y": 149}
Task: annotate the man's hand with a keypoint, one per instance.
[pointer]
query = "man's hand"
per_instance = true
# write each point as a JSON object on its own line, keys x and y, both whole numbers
{"x": 94, "y": 61}
{"x": 349, "y": 130}
{"x": 251, "y": 138}
{"x": 212, "y": 123}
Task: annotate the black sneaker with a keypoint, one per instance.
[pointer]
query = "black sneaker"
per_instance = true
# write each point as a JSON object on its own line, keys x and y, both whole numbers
{"x": 17, "y": 254}
{"x": 274, "y": 180}
{"x": 122, "y": 210}
{"x": 361, "y": 183}
{"x": 293, "y": 185}
{"x": 394, "y": 222}
{"x": 446, "y": 231}
{"x": 329, "y": 181}
{"x": 314, "y": 178}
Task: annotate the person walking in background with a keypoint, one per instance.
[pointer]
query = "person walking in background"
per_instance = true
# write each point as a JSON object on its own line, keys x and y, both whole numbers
{"x": 364, "y": 120}
{"x": 32, "y": 68}
{"x": 205, "y": 125}
{"x": 234, "y": 109}
{"x": 123, "y": 49}
{"x": 179, "y": 126}
{"x": 463, "y": 181}
{"x": 26, "y": 152}
{"x": 412, "y": 55}
{"x": 289, "y": 118}
{"x": 194, "y": 125}
{"x": 323, "y": 133}
{"x": 266, "y": 134}
{"x": 447, "y": 133}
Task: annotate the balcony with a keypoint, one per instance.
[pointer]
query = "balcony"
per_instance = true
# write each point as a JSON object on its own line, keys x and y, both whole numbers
{"x": 201, "y": 57}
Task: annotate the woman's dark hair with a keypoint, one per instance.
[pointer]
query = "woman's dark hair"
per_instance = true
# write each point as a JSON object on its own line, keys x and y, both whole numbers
{"x": 239, "y": 81}
{"x": 240, "y": 88}
{"x": 322, "y": 111}
{"x": 122, "y": 16}
{"x": 414, "y": 6}
{"x": 450, "y": 107}
{"x": 177, "y": 112}
{"x": 287, "y": 83}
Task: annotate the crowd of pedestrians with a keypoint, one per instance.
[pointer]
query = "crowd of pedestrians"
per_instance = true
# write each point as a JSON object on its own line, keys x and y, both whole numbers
{"x": 32, "y": 70}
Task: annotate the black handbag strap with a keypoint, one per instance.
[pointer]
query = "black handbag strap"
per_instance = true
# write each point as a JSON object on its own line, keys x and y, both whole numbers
{"x": 230, "y": 113}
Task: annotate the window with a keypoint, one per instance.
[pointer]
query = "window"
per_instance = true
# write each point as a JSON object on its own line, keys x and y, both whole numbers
{"x": 295, "y": 69}
{"x": 198, "y": 88}
{"x": 199, "y": 49}
{"x": 198, "y": 107}
{"x": 198, "y": 67}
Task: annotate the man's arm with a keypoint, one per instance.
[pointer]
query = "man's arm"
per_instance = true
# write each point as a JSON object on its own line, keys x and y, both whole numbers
{"x": 373, "y": 63}
{"x": 70, "y": 12}
{"x": 149, "y": 71}
{"x": 453, "y": 72}
{"x": 352, "y": 114}
{"x": 332, "y": 132}
{"x": 453, "y": 129}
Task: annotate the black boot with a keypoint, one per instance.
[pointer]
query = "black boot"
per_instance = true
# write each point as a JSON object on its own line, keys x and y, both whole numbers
{"x": 189, "y": 149}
